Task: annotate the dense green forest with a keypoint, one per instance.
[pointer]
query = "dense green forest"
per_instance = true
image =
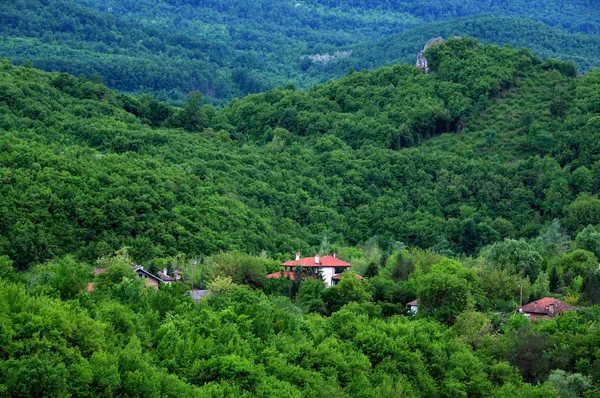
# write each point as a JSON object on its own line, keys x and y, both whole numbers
{"x": 542, "y": 40}
{"x": 457, "y": 188}
{"x": 88, "y": 170}
{"x": 227, "y": 49}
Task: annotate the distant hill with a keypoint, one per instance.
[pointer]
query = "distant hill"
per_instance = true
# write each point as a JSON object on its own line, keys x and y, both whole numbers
{"x": 228, "y": 49}
{"x": 542, "y": 40}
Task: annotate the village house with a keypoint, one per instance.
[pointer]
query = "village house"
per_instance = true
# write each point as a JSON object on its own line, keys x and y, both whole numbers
{"x": 330, "y": 268}
{"x": 166, "y": 278}
{"x": 150, "y": 279}
{"x": 413, "y": 306}
{"x": 544, "y": 308}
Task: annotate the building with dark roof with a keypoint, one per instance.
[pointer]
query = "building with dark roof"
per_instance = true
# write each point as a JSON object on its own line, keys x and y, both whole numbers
{"x": 149, "y": 278}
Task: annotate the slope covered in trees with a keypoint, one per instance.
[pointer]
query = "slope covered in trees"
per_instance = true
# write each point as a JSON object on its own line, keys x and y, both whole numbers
{"x": 542, "y": 40}
{"x": 486, "y": 169}
{"x": 228, "y": 49}
{"x": 87, "y": 171}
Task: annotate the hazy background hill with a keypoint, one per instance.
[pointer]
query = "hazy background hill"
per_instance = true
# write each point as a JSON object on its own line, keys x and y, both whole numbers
{"x": 228, "y": 49}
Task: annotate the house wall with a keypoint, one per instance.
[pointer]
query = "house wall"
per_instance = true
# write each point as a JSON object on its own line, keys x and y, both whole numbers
{"x": 151, "y": 282}
{"x": 328, "y": 273}
{"x": 535, "y": 316}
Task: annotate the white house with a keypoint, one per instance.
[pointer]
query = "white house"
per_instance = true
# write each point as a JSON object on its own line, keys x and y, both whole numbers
{"x": 413, "y": 306}
{"x": 330, "y": 267}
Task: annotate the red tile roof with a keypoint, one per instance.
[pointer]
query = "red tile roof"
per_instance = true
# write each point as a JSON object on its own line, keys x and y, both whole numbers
{"x": 546, "y": 305}
{"x": 337, "y": 277}
{"x": 325, "y": 261}
{"x": 285, "y": 274}
{"x": 414, "y": 302}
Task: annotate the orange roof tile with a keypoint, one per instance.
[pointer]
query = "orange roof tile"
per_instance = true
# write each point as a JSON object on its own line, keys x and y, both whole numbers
{"x": 285, "y": 274}
{"x": 546, "y": 305}
{"x": 325, "y": 261}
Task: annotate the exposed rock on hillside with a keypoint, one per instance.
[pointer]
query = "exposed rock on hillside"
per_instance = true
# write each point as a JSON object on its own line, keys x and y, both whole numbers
{"x": 421, "y": 60}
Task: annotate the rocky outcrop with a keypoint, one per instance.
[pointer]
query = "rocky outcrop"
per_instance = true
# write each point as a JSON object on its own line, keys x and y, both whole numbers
{"x": 421, "y": 60}
{"x": 326, "y": 58}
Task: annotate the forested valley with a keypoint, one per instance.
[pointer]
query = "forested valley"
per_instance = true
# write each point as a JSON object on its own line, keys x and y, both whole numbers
{"x": 227, "y": 49}
{"x": 470, "y": 189}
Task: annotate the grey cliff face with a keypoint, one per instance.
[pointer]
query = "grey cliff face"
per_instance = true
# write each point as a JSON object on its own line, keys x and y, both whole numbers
{"x": 421, "y": 60}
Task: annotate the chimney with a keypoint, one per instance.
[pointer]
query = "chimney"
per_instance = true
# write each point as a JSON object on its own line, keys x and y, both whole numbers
{"x": 165, "y": 272}
{"x": 334, "y": 255}
{"x": 298, "y": 256}
{"x": 317, "y": 259}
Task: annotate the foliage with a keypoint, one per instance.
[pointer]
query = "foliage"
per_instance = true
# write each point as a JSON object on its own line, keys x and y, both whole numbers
{"x": 227, "y": 50}
{"x": 569, "y": 385}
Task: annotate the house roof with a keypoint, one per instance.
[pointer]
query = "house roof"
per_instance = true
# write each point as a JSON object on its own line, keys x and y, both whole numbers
{"x": 285, "y": 274}
{"x": 337, "y": 277}
{"x": 414, "y": 302}
{"x": 198, "y": 294}
{"x": 166, "y": 278}
{"x": 546, "y": 305}
{"x": 325, "y": 261}
{"x": 139, "y": 268}
{"x": 98, "y": 271}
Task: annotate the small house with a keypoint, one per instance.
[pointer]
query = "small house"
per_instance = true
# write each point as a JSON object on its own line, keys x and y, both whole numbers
{"x": 166, "y": 278}
{"x": 413, "y": 306}
{"x": 544, "y": 308}
{"x": 150, "y": 279}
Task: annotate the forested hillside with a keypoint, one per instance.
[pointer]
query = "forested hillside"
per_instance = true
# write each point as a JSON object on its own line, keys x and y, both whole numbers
{"x": 469, "y": 189}
{"x": 542, "y": 40}
{"x": 88, "y": 170}
{"x": 229, "y": 49}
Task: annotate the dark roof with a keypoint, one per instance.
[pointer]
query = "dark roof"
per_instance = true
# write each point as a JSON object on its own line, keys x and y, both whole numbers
{"x": 166, "y": 278}
{"x": 198, "y": 294}
{"x": 139, "y": 268}
{"x": 325, "y": 261}
{"x": 547, "y": 306}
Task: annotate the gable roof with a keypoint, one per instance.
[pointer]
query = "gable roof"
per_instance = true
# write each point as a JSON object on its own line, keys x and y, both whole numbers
{"x": 197, "y": 294}
{"x": 325, "y": 261}
{"x": 139, "y": 268}
{"x": 414, "y": 302}
{"x": 284, "y": 274}
{"x": 166, "y": 278}
{"x": 547, "y": 306}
